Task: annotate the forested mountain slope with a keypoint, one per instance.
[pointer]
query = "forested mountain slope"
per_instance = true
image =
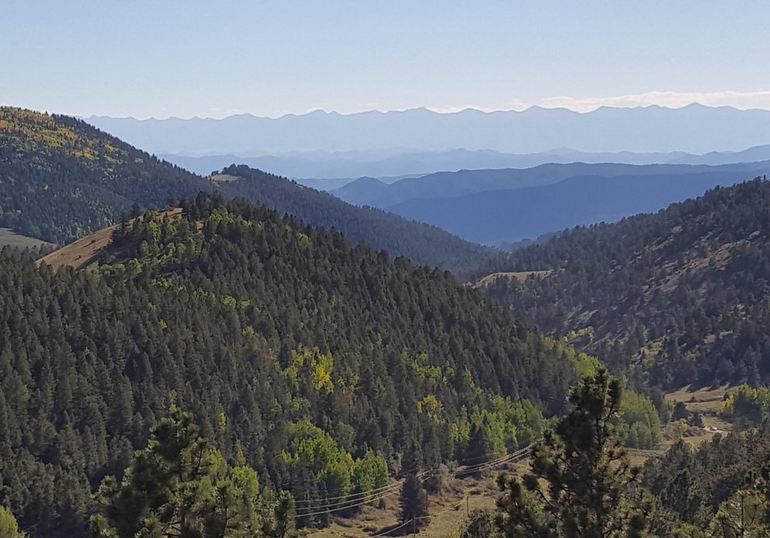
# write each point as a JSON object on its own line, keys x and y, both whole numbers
{"x": 681, "y": 296}
{"x": 299, "y": 353}
{"x": 691, "y": 485}
{"x": 462, "y": 183}
{"x": 424, "y": 244}
{"x": 498, "y": 217}
{"x": 61, "y": 178}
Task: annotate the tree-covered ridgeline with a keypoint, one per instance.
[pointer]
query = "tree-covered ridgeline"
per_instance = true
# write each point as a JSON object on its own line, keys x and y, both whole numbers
{"x": 317, "y": 361}
{"x": 673, "y": 298}
{"x": 422, "y": 243}
{"x": 61, "y": 178}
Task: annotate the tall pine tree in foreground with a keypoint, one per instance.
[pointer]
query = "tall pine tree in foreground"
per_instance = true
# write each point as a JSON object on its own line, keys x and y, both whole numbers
{"x": 180, "y": 486}
{"x": 579, "y": 477}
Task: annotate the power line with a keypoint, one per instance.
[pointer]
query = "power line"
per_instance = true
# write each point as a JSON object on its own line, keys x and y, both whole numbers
{"x": 359, "y": 494}
{"x": 499, "y": 461}
{"x": 343, "y": 506}
{"x": 493, "y": 463}
{"x": 397, "y": 476}
{"x": 346, "y": 502}
{"x": 404, "y": 524}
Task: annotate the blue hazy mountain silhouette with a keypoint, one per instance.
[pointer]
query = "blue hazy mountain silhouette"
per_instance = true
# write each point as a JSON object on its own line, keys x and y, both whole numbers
{"x": 503, "y": 206}
{"x": 694, "y": 128}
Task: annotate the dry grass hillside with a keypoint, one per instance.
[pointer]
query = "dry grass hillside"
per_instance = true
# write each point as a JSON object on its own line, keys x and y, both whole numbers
{"x": 85, "y": 251}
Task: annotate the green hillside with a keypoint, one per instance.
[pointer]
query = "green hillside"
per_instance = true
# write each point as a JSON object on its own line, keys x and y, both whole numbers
{"x": 61, "y": 179}
{"x": 276, "y": 336}
{"x": 422, "y": 243}
{"x": 678, "y": 297}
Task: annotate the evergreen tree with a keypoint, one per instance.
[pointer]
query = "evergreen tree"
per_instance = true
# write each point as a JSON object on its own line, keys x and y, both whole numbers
{"x": 585, "y": 472}
{"x": 479, "y": 447}
{"x": 413, "y": 500}
{"x": 180, "y": 486}
{"x": 480, "y": 524}
{"x": 741, "y": 516}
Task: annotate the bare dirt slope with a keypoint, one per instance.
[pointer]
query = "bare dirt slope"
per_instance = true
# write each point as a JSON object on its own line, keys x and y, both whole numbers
{"x": 86, "y": 250}
{"x": 519, "y": 276}
{"x": 81, "y": 252}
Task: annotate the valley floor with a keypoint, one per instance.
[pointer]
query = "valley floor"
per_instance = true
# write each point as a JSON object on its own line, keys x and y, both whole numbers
{"x": 449, "y": 509}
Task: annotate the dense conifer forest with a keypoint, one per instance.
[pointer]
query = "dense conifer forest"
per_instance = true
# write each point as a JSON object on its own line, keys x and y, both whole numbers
{"x": 318, "y": 363}
{"x": 230, "y": 370}
{"x": 422, "y": 243}
{"x": 673, "y": 298}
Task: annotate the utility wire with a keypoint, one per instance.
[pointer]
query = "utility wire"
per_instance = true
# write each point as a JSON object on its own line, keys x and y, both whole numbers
{"x": 346, "y": 502}
{"x": 343, "y": 506}
{"x": 359, "y": 494}
{"x": 391, "y": 530}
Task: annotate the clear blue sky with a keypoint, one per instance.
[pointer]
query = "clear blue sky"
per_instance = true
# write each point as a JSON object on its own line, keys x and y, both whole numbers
{"x": 214, "y": 58}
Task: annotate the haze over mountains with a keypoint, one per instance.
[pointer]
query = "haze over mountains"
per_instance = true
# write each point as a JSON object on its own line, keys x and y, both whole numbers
{"x": 507, "y": 205}
{"x": 61, "y": 178}
{"x": 384, "y": 269}
{"x": 694, "y": 128}
{"x": 331, "y": 170}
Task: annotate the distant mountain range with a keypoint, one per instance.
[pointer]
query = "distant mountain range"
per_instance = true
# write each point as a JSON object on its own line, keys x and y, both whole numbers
{"x": 61, "y": 178}
{"x": 502, "y": 206}
{"x": 694, "y": 128}
{"x": 332, "y": 170}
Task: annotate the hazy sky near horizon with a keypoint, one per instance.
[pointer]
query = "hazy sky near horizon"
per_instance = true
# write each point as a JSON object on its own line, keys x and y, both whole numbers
{"x": 188, "y": 58}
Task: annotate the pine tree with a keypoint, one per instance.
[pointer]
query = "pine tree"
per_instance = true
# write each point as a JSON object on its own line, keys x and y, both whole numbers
{"x": 741, "y": 516}
{"x": 586, "y": 471}
{"x": 180, "y": 486}
{"x": 480, "y": 524}
{"x": 413, "y": 500}
{"x": 479, "y": 448}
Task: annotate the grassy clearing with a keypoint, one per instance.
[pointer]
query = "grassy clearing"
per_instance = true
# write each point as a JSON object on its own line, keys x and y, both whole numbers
{"x": 704, "y": 400}
{"x": 707, "y": 434}
{"x": 447, "y": 510}
{"x": 86, "y": 250}
{"x": 707, "y": 402}
{"x": 223, "y": 178}
{"x": 81, "y": 252}
{"x": 9, "y": 238}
